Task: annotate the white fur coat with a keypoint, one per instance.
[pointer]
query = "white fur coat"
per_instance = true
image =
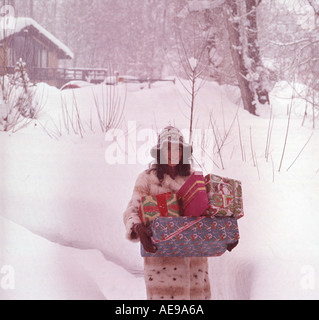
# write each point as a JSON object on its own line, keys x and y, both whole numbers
{"x": 167, "y": 278}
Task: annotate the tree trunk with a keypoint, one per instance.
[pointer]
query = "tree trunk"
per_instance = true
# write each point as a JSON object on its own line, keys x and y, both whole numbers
{"x": 236, "y": 48}
{"x": 256, "y": 67}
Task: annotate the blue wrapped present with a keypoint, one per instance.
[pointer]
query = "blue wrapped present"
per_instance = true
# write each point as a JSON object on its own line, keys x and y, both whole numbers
{"x": 192, "y": 236}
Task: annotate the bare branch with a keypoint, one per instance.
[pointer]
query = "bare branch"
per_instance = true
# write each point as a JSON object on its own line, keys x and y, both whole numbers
{"x": 300, "y": 151}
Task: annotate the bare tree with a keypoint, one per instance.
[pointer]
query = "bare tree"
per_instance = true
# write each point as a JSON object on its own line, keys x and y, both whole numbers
{"x": 191, "y": 46}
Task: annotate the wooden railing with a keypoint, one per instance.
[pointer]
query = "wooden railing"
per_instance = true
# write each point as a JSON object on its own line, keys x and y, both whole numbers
{"x": 68, "y": 74}
{"x": 64, "y": 75}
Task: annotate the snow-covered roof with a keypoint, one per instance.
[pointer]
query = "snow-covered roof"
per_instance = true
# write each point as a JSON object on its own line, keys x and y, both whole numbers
{"x": 16, "y": 25}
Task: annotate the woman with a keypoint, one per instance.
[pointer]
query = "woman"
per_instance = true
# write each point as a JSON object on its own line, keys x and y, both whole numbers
{"x": 178, "y": 278}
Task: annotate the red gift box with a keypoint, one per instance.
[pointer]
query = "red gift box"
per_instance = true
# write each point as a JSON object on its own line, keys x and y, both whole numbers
{"x": 193, "y": 196}
{"x": 161, "y": 205}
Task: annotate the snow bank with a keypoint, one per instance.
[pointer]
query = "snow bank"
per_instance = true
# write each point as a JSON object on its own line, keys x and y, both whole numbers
{"x": 35, "y": 268}
{"x": 42, "y": 270}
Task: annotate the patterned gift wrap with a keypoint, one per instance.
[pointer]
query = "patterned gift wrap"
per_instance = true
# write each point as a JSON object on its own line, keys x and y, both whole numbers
{"x": 225, "y": 197}
{"x": 162, "y": 205}
{"x": 193, "y": 196}
{"x": 192, "y": 237}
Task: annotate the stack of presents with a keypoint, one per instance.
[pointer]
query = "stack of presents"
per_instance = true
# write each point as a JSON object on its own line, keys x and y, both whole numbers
{"x": 200, "y": 220}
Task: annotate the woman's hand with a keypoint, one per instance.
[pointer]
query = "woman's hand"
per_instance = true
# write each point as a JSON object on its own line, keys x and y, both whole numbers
{"x": 145, "y": 235}
{"x": 231, "y": 246}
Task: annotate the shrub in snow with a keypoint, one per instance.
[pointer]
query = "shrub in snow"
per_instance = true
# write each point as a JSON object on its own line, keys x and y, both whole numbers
{"x": 16, "y": 99}
{"x": 20, "y": 75}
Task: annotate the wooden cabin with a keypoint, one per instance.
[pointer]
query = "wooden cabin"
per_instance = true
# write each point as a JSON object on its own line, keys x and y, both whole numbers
{"x": 25, "y": 38}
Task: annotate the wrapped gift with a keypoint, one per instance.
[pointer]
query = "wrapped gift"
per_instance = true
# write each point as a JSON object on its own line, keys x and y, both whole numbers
{"x": 162, "y": 205}
{"x": 225, "y": 197}
{"x": 193, "y": 196}
{"x": 192, "y": 236}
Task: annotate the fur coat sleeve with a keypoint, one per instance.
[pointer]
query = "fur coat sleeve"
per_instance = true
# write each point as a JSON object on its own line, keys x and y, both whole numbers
{"x": 131, "y": 215}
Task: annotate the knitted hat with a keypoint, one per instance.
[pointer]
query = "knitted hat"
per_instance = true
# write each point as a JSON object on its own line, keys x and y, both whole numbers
{"x": 174, "y": 136}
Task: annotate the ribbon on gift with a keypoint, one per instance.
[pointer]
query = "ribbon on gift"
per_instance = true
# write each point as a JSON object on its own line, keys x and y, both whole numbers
{"x": 161, "y": 205}
{"x": 180, "y": 230}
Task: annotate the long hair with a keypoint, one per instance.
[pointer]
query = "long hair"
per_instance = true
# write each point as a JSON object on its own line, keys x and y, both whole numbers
{"x": 182, "y": 169}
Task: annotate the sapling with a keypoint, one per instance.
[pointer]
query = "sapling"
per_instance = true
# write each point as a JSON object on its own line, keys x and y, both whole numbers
{"x": 251, "y": 148}
{"x": 111, "y": 109}
{"x": 269, "y": 133}
{"x": 78, "y": 118}
{"x": 300, "y": 151}
{"x": 285, "y": 143}
{"x": 243, "y": 155}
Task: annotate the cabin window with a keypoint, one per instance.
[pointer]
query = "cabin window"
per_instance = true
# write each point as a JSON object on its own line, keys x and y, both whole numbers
{"x": 42, "y": 58}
